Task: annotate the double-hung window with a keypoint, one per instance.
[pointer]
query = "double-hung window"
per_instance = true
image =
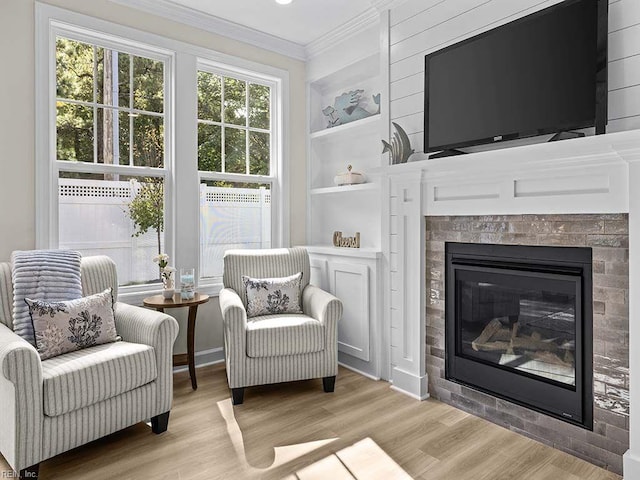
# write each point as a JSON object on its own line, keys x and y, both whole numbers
{"x": 146, "y": 144}
{"x": 235, "y": 156}
{"x": 111, "y": 156}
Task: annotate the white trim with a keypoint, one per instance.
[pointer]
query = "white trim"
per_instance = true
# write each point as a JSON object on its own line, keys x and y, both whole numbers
{"x": 217, "y": 25}
{"x": 408, "y": 393}
{"x": 135, "y": 297}
{"x": 359, "y": 372}
{"x": 382, "y": 5}
{"x": 342, "y": 33}
{"x": 204, "y": 358}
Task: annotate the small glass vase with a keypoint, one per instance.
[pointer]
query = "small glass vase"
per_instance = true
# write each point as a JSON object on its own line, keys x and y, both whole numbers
{"x": 187, "y": 283}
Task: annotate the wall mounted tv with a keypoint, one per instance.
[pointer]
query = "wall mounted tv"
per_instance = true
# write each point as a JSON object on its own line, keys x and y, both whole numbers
{"x": 541, "y": 74}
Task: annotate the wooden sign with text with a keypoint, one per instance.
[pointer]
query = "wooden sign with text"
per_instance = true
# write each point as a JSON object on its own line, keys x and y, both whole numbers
{"x": 348, "y": 242}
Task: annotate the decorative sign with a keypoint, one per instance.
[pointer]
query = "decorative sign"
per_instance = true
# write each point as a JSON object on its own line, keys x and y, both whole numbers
{"x": 348, "y": 242}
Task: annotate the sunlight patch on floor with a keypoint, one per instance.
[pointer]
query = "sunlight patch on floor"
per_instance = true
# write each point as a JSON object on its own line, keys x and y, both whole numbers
{"x": 364, "y": 460}
{"x": 283, "y": 454}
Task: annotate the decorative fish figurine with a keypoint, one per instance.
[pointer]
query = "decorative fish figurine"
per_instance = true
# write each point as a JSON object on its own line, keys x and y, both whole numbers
{"x": 400, "y": 146}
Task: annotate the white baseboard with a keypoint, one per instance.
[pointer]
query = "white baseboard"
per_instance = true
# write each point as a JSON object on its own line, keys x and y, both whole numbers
{"x": 204, "y": 358}
{"x": 412, "y": 385}
{"x": 630, "y": 466}
{"x": 360, "y": 372}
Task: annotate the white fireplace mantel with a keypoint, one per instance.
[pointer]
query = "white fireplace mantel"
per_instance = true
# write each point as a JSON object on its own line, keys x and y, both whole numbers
{"x": 596, "y": 174}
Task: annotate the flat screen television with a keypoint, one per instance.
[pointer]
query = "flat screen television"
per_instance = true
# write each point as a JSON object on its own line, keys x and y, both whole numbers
{"x": 541, "y": 74}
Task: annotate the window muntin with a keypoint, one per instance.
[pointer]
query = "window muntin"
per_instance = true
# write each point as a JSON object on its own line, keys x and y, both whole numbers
{"x": 110, "y": 106}
{"x": 234, "y": 124}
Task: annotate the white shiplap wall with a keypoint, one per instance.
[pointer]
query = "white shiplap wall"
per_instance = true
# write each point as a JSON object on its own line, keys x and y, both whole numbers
{"x": 419, "y": 27}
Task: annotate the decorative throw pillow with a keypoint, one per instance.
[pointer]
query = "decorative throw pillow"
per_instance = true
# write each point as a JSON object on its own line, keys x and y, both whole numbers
{"x": 270, "y": 296}
{"x": 62, "y": 327}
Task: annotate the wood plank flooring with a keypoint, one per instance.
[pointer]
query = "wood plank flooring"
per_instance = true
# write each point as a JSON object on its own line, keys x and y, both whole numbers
{"x": 296, "y": 431}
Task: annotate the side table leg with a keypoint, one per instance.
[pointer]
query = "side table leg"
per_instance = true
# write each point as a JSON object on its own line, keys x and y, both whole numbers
{"x": 191, "y": 327}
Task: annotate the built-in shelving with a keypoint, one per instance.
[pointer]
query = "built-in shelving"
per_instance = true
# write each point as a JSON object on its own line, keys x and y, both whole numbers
{"x": 360, "y": 187}
{"x": 348, "y": 128}
{"x": 343, "y": 251}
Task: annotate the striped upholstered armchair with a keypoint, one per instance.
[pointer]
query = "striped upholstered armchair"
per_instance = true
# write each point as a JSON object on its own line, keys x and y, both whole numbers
{"x": 51, "y": 406}
{"x": 280, "y": 347}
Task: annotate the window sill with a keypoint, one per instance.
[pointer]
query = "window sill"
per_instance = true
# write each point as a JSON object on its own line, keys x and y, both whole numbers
{"x": 136, "y": 297}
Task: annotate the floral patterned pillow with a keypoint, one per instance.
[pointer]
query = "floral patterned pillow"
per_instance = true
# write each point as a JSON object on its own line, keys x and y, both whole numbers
{"x": 62, "y": 327}
{"x": 271, "y": 296}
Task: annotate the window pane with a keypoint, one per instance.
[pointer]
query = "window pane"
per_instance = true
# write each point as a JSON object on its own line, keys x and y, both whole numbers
{"x": 124, "y": 75}
{"x": 148, "y": 141}
{"x": 235, "y": 101}
{"x": 123, "y": 134}
{"x": 95, "y": 219}
{"x": 235, "y": 150}
{"x": 259, "y": 100}
{"x": 232, "y": 215}
{"x": 209, "y": 148}
{"x": 259, "y": 153}
{"x": 148, "y": 85}
{"x": 74, "y": 70}
{"x": 74, "y": 132}
{"x": 209, "y": 96}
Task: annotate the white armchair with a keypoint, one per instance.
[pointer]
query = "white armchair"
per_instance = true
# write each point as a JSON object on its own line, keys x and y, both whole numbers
{"x": 277, "y": 348}
{"x": 51, "y": 406}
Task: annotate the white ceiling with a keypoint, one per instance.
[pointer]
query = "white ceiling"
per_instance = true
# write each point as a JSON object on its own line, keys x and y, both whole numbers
{"x": 300, "y": 22}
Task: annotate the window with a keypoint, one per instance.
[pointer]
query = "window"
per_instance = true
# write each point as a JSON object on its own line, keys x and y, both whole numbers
{"x": 234, "y": 164}
{"x": 110, "y": 155}
{"x": 145, "y": 144}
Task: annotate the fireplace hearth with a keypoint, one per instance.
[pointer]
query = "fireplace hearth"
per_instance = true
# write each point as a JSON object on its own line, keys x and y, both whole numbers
{"x": 519, "y": 325}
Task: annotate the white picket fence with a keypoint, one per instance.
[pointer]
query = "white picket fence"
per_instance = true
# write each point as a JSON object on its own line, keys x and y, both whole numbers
{"x": 93, "y": 219}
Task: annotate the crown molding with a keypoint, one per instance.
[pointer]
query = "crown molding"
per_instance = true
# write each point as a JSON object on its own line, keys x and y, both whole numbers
{"x": 217, "y": 25}
{"x": 368, "y": 18}
{"x": 382, "y": 5}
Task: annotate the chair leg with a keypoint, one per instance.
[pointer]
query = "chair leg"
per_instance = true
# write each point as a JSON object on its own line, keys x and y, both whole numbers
{"x": 160, "y": 423}
{"x": 30, "y": 472}
{"x": 329, "y": 384}
{"x": 238, "y": 395}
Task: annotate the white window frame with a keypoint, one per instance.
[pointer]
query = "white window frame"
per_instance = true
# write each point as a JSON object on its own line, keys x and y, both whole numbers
{"x": 274, "y": 134}
{"x": 180, "y": 169}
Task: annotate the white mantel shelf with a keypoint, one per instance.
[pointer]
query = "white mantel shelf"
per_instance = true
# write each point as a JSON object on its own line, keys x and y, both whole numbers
{"x": 584, "y": 175}
{"x": 343, "y": 251}
{"x": 596, "y": 174}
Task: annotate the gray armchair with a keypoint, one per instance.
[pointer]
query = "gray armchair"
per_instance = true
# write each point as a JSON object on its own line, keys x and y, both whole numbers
{"x": 51, "y": 406}
{"x": 277, "y": 348}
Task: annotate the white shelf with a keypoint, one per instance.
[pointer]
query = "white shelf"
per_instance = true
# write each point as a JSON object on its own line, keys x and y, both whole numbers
{"x": 343, "y": 251}
{"x": 344, "y": 188}
{"x": 348, "y": 127}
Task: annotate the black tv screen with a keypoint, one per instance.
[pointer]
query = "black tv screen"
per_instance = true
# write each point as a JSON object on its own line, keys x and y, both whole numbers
{"x": 543, "y": 73}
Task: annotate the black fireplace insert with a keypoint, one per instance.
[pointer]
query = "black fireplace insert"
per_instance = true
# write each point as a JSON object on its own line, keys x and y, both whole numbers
{"x": 519, "y": 325}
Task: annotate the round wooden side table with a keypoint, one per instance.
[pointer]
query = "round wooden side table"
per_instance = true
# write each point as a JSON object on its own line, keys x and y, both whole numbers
{"x": 160, "y": 303}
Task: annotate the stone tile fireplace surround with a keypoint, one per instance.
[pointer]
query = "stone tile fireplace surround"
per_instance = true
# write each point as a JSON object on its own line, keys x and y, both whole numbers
{"x": 582, "y": 192}
{"x": 607, "y": 235}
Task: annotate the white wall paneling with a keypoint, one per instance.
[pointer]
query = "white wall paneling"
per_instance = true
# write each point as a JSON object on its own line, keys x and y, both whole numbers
{"x": 354, "y": 276}
{"x": 408, "y": 371}
{"x": 350, "y": 283}
{"x": 420, "y": 27}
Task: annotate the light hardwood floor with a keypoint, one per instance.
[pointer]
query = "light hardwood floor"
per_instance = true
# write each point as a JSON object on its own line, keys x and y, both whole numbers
{"x": 296, "y": 431}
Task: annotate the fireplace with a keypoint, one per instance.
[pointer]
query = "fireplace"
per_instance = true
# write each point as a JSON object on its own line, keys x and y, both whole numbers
{"x": 519, "y": 325}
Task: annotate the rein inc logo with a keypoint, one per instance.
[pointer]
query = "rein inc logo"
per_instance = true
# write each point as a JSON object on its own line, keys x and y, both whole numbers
{"x": 25, "y": 474}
